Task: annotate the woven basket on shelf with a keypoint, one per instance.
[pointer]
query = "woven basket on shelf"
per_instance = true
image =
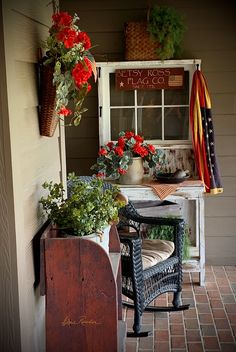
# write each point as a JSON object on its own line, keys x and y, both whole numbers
{"x": 138, "y": 44}
{"x": 48, "y": 121}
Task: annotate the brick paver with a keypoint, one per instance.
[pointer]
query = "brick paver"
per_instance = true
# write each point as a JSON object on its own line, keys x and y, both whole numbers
{"x": 209, "y": 325}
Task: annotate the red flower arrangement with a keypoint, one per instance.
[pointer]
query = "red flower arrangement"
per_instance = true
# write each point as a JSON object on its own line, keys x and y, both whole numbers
{"x": 67, "y": 49}
{"x": 115, "y": 157}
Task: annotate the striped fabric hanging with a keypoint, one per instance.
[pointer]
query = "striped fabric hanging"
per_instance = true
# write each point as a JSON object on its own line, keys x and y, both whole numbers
{"x": 203, "y": 135}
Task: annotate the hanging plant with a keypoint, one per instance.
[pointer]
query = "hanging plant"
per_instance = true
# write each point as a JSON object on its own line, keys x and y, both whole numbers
{"x": 166, "y": 26}
{"x": 68, "y": 54}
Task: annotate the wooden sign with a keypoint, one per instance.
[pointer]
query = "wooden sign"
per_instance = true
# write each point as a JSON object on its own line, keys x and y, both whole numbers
{"x": 151, "y": 78}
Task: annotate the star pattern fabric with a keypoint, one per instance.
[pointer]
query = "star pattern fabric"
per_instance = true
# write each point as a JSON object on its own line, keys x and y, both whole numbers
{"x": 203, "y": 135}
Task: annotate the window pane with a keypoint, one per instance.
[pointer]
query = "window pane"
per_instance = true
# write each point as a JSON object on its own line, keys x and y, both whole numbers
{"x": 120, "y": 97}
{"x": 149, "y": 97}
{"x": 121, "y": 120}
{"x": 178, "y": 96}
{"x": 176, "y": 121}
{"x": 149, "y": 123}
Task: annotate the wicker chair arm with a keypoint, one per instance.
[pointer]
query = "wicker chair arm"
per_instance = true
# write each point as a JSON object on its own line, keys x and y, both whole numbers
{"x": 158, "y": 221}
{"x": 132, "y": 241}
{"x": 130, "y": 213}
{"x": 153, "y": 220}
{"x": 128, "y": 237}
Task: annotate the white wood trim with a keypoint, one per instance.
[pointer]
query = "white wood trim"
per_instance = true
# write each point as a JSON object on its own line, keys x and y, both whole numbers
{"x": 152, "y": 63}
{"x": 105, "y": 68}
{"x": 62, "y": 151}
{"x": 9, "y": 305}
{"x": 201, "y": 222}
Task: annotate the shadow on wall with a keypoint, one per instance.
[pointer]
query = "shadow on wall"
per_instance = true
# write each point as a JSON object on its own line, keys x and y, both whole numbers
{"x": 36, "y": 254}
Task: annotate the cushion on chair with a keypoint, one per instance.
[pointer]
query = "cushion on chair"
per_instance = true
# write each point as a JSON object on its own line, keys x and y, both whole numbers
{"x": 155, "y": 251}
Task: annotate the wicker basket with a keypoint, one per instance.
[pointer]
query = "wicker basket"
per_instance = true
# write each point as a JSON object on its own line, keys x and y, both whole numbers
{"x": 48, "y": 121}
{"x": 138, "y": 44}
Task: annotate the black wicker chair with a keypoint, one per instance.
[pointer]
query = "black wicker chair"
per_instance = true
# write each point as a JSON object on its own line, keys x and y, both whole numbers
{"x": 141, "y": 285}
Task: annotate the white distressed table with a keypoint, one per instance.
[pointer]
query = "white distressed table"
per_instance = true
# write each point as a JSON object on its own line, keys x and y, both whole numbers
{"x": 193, "y": 192}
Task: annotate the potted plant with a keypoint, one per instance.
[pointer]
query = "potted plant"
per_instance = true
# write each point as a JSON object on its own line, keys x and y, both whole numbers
{"x": 89, "y": 210}
{"x": 166, "y": 27}
{"x": 115, "y": 158}
{"x": 67, "y": 66}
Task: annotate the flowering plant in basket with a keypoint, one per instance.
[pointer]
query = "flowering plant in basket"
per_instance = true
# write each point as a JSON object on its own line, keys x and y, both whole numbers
{"x": 115, "y": 157}
{"x": 67, "y": 51}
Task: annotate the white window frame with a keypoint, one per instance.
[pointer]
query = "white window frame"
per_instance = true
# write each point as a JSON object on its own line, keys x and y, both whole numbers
{"x": 104, "y": 70}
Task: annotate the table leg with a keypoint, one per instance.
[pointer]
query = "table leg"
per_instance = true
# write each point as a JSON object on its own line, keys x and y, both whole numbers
{"x": 201, "y": 241}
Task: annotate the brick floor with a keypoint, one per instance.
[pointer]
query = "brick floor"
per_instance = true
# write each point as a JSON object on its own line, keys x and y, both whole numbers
{"x": 208, "y": 326}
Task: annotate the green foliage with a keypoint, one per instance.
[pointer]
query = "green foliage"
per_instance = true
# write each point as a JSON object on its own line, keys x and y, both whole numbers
{"x": 166, "y": 27}
{"x": 166, "y": 232}
{"x": 90, "y": 207}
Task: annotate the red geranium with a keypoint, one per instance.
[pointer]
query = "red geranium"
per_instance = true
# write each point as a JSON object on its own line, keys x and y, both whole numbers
{"x": 82, "y": 72}
{"x": 89, "y": 87}
{"x": 119, "y": 151}
{"x": 100, "y": 174}
{"x": 62, "y": 19}
{"x": 68, "y": 37}
{"x": 67, "y": 50}
{"x": 64, "y": 111}
{"x": 110, "y": 145}
{"x": 129, "y": 134}
{"x": 103, "y": 151}
{"x": 122, "y": 171}
{"x": 151, "y": 148}
{"x": 138, "y": 138}
{"x": 121, "y": 142}
{"x": 119, "y": 155}
{"x": 84, "y": 38}
{"x": 140, "y": 150}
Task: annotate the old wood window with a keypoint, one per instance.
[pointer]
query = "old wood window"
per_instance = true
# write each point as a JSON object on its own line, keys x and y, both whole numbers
{"x": 160, "y": 115}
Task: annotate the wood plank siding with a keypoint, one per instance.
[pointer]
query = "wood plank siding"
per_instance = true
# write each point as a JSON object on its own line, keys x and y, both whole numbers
{"x": 26, "y": 161}
{"x": 210, "y": 36}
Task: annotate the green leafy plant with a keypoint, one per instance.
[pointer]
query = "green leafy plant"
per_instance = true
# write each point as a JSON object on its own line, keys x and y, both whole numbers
{"x": 89, "y": 208}
{"x": 165, "y": 232}
{"x": 166, "y": 26}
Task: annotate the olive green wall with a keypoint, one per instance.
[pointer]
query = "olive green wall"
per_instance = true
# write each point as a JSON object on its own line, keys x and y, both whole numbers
{"x": 210, "y": 36}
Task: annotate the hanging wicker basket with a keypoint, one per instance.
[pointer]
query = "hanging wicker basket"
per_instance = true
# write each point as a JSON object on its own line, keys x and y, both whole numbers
{"x": 138, "y": 44}
{"x": 48, "y": 120}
